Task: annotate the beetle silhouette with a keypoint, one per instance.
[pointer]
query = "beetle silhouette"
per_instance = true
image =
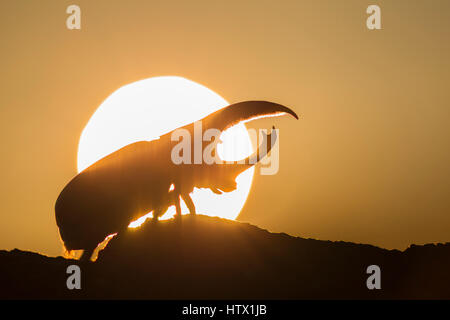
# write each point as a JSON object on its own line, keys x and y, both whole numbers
{"x": 142, "y": 177}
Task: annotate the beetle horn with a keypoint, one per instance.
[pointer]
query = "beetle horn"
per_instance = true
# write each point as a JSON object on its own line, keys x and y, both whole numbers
{"x": 243, "y": 112}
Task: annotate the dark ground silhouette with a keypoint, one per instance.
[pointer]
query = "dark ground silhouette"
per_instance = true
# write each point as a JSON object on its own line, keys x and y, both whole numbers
{"x": 211, "y": 258}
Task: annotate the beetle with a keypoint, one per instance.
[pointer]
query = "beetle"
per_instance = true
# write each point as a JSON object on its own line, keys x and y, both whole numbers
{"x": 142, "y": 177}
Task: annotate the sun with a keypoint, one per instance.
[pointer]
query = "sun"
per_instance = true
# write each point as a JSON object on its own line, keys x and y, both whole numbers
{"x": 149, "y": 108}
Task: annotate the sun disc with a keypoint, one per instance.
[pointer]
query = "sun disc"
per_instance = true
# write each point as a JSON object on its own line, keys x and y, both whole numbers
{"x": 146, "y": 109}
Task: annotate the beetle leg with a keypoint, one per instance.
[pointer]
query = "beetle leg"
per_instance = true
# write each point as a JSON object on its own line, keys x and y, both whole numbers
{"x": 189, "y": 203}
{"x": 156, "y": 214}
{"x": 178, "y": 206}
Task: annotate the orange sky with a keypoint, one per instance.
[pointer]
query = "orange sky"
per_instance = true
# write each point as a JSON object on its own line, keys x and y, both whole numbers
{"x": 368, "y": 161}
